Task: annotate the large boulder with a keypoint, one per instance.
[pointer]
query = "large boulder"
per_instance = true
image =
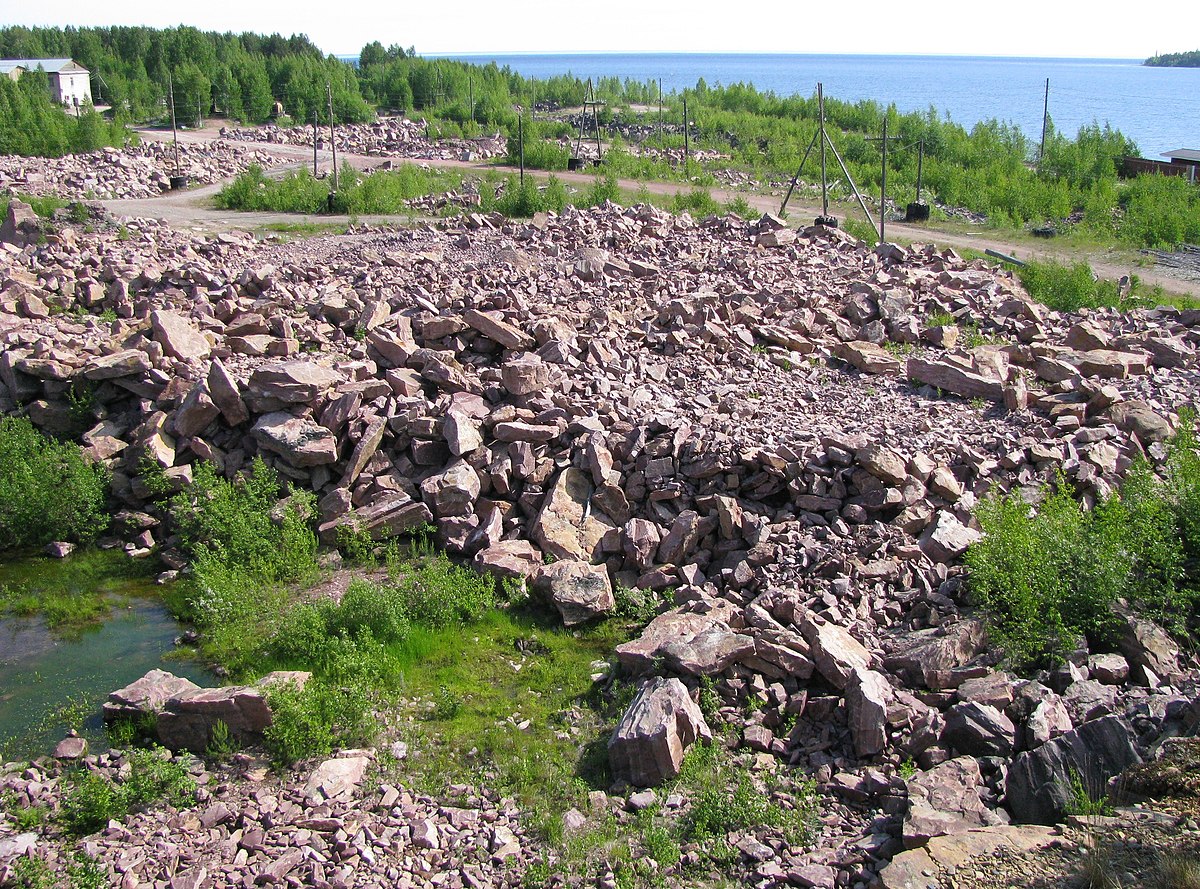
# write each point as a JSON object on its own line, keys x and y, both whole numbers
{"x": 868, "y": 695}
{"x": 21, "y": 226}
{"x": 947, "y": 538}
{"x": 675, "y": 630}
{"x": 146, "y": 696}
{"x": 648, "y": 745}
{"x": 979, "y": 729}
{"x": 188, "y": 720}
{"x": 567, "y": 527}
{"x": 945, "y": 800}
{"x": 1142, "y": 420}
{"x": 296, "y": 382}
{"x": 1039, "y": 786}
{"x": 836, "y": 653}
{"x": 178, "y": 336}
{"x": 1150, "y": 652}
{"x": 453, "y": 491}
{"x": 300, "y": 442}
{"x": 579, "y": 590}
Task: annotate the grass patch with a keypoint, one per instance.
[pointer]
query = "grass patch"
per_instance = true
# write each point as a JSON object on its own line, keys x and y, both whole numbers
{"x": 70, "y": 594}
{"x": 508, "y": 702}
{"x": 288, "y": 231}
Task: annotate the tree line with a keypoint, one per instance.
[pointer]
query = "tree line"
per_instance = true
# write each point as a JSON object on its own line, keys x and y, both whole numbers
{"x": 1175, "y": 60}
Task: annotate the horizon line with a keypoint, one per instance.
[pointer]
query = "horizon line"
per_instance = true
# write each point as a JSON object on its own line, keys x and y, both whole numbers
{"x": 671, "y": 52}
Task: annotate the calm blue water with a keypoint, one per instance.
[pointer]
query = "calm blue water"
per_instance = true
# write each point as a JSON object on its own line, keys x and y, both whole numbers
{"x": 1156, "y": 107}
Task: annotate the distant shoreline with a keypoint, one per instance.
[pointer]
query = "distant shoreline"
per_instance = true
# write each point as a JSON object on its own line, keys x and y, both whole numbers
{"x": 1175, "y": 60}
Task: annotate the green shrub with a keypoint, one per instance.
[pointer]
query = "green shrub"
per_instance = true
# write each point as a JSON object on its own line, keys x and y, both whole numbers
{"x": 698, "y": 202}
{"x": 1068, "y": 288}
{"x": 316, "y": 720}
{"x": 1047, "y": 578}
{"x": 48, "y": 491}
{"x": 92, "y": 800}
{"x": 437, "y": 593}
{"x": 242, "y": 525}
{"x": 154, "y": 777}
{"x": 861, "y": 229}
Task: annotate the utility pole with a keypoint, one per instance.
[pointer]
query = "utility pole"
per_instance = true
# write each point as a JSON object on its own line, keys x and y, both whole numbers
{"x": 883, "y": 183}
{"x": 471, "y": 93}
{"x": 660, "y": 133}
{"x": 521, "y": 144}
{"x": 314, "y": 143}
{"x": 174, "y": 131}
{"x": 824, "y": 180}
{"x": 686, "y": 148}
{"x": 332, "y": 135}
{"x": 920, "y": 166}
{"x": 1045, "y": 121}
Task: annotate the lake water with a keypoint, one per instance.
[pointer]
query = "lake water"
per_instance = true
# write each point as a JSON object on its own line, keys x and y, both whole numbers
{"x": 1156, "y": 107}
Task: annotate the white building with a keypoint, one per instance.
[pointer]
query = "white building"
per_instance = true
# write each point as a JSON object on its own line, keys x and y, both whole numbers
{"x": 70, "y": 82}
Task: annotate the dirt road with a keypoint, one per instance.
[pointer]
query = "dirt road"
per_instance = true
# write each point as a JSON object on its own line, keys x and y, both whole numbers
{"x": 193, "y": 209}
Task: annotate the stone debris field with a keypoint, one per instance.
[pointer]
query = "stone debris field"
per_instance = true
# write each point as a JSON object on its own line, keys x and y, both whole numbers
{"x": 785, "y": 433}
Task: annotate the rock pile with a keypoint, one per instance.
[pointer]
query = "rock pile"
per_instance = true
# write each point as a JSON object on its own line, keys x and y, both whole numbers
{"x": 136, "y": 171}
{"x": 750, "y": 418}
{"x": 320, "y": 829}
{"x": 387, "y": 137}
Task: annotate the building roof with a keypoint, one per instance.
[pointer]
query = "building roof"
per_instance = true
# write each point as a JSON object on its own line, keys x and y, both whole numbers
{"x": 1183, "y": 154}
{"x": 50, "y": 66}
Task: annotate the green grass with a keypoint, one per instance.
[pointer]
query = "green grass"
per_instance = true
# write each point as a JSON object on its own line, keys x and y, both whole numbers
{"x": 296, "y": 230}
{"x": 71, "y": 594}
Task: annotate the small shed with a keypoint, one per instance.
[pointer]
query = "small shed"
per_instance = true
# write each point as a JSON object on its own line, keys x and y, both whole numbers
{"x": 1184, "y": 157}
{"x": 70, "y": 83}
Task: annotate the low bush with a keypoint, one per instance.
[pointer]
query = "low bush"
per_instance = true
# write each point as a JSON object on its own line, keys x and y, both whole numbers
{"x": 48, "y": 491}
{"x": 1050, "y": 575}
{"x": 316, "y": 720}
{"x": 92, "y": 800}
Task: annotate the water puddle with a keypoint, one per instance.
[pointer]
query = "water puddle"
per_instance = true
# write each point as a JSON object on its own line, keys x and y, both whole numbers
{"x": 52, "y": 679}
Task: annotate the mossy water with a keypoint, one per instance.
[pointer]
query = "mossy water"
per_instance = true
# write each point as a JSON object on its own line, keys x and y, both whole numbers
{"x": 71, "y": 631}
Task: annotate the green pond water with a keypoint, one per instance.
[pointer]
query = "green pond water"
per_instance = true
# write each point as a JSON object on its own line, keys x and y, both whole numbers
{"x": 52, "y": 679}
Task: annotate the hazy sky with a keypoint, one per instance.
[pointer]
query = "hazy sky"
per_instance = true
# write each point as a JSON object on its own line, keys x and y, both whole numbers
{"x": 1016, "y": 28}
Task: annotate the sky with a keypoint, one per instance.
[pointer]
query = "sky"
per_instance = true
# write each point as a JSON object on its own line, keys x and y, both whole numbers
{"x": 1047, "y": 28}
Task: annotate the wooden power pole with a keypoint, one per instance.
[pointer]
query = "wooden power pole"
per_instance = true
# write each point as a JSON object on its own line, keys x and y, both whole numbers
{"x": 332, "y": 134}
{"x": 1045, "y": 121}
